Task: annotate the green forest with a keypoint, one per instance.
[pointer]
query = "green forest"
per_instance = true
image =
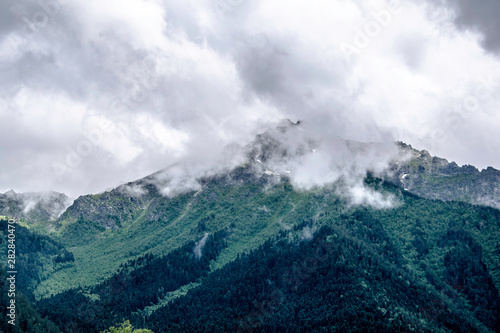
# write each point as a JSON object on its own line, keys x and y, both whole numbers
{"x": 251, "y": 255}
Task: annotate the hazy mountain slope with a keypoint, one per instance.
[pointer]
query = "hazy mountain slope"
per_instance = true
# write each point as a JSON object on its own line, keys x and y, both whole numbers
{"x": 113, "y": 208}
{"x": 436, "y": 178}
{"x": 273, "y": 154}
{"x": 34, "y": 206}
{"x": 254, "y": 211}
{"x": 291, "y": 151}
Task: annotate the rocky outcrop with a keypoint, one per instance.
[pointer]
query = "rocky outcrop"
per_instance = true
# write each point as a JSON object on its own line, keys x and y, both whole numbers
{"x": 436, "y": 178}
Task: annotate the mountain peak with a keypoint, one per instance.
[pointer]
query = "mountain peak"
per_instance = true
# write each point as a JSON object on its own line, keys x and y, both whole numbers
{"x": 287, "y": 123}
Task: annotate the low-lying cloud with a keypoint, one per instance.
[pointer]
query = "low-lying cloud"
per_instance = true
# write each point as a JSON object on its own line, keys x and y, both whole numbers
{"x": 313, "y": 159}
{"x": 309, "y": 159}
{"x": 38, "y": 206}
{"x": 198, "y": 248}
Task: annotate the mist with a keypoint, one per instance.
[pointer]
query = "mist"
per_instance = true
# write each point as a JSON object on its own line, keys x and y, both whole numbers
{"x": 315, "y": 159}
{"x": 198, "y": 248}
{"x": 39, "y": 205}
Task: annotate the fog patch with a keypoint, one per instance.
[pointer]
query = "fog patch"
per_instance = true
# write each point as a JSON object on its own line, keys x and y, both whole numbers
{"x": 133, "y": 190}
{"x": 29, "y": 204}
{"x": 188, "y": 174}
{"x": 308, "y": 233}
{"x": 198, "y": 248}
{"x": 361, "y": 195}
{"x": 35, "y": 205}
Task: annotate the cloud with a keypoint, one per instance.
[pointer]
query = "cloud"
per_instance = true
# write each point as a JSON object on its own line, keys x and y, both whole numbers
{"x": 175, "y": 81}
{"x": 7, "y": 19}
{"x": 187, "y": 174}
{"x": 308, "y": 233}
{"x": 313, "y": 158}
{"x": 133, "y": 190}
{"x": 479, "y": 16}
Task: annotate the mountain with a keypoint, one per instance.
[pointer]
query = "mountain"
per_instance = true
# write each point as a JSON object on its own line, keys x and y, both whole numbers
{"x": 291, "y": 261}
{"x": 436, "y": 178}
{"x": 293, "y": 232}
{"x": 278, "y": 153}
{"x": 34, "y": 206}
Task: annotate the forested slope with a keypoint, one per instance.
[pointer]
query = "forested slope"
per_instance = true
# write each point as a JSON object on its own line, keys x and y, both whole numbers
{"x": 423, "y": 265}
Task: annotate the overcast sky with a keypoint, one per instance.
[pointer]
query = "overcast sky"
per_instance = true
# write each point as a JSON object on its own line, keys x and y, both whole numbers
{"x": 94, "y": 93}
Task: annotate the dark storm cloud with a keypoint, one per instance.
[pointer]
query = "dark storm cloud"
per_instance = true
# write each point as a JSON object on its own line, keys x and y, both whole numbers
{"x": 7, "y": 20}
{"x": 482, "y": 16}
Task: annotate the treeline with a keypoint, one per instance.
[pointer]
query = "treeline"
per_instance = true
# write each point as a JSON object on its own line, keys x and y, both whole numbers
{"x": 137, "y": 284}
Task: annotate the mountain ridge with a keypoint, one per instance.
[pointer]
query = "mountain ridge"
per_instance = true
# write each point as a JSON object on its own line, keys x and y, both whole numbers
{"x": 34, "y": 206}
{"x": 273, "y": 153}
{"x": 414, "y": 170}
{"x": 435, "y": 178}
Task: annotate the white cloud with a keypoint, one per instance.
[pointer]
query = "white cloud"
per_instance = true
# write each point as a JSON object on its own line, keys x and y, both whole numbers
{"x": 182, "y": 79}
{"x": 141, "y": 23}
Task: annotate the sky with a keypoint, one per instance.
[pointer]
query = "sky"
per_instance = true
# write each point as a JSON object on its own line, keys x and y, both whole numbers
{"x": 96, "y": 93}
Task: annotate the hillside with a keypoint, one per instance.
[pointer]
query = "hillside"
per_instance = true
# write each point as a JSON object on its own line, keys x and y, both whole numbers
{"x": 382, "y": 265}
{"x": 34, "y": 206}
